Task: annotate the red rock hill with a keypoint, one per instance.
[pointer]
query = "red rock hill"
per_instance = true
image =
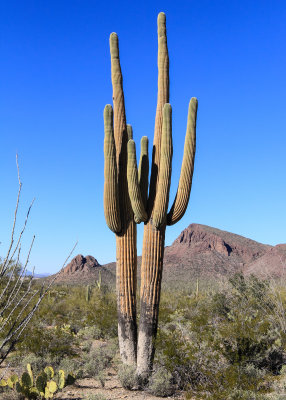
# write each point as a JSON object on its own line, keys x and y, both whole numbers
{"x": 200, "y": 251}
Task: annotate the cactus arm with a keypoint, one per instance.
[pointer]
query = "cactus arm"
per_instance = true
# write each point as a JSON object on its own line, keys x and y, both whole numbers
{"x": 163, "y": 190}
{"x": 111, "y": 198}
{"x": 129, "y": 132}
{"x": 120, "y": 134}
{"x": 143, "y": 170}
{"x": 133, "y": 185}
{"x": 185, "y": 183}
{"x": 162, "y": 98}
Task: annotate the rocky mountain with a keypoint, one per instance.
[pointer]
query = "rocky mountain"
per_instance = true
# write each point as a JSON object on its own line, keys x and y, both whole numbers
{"x": 200, "y": 251}
{"x": 86, "y": 270}
{"x": 203, "y": 251}
{"x": 81, "y": 265}
{"x": 271, "y": 264}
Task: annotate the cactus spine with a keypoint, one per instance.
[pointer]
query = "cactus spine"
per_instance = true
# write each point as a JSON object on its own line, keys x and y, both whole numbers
{"x": 152, "y": 209}
{"x": 118, "y": 211}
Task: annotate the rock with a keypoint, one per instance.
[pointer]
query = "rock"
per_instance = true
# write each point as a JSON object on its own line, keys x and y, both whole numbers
{"x": 271, "y": 265}
{"x": 81, "y": 264}
{"x": 200, "y": 251}
{"x": 203, "y": 251}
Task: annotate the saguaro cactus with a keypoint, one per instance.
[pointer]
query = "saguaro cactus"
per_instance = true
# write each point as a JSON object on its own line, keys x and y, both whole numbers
{"x": 152, "y": 209}
{"x": 118, "y": 211}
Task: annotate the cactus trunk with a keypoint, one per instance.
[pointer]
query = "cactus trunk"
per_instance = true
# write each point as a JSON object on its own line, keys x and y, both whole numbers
{"x": 151, "y": 276}
{"x": 126, "y": 263}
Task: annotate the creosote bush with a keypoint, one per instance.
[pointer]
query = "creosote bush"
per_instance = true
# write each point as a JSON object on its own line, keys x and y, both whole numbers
{"x": 224, "y": 344}
{"x": 127, "y": 376}
{"x": 161, "y": 383}
{"x": 97, "y": 396}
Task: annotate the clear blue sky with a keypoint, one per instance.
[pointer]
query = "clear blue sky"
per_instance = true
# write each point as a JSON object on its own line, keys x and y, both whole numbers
{"x": 55, "y": 82}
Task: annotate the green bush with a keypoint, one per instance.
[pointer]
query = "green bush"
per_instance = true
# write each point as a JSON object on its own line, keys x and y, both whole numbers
{"x": 43, "y": 341}
{"x": 73, "y": 365}
{"x": 97, "y": 396}
{"x": 127, "y": 376}
{"x": 161, "y": 384}
{"x": 223, "y": 344}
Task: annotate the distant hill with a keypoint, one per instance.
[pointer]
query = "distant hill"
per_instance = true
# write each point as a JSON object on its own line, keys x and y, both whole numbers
{"x": 271, "y": 264}
{"x": 200, "y": 251}
{"x": 86, "y": 270}
{"x": 203, "y": 251}
{"x": 37, "y": 276}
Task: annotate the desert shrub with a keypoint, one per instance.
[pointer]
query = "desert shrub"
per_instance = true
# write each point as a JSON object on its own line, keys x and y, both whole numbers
{"x": 86, "y": 346}
{"x": 73, "y": 366}
{"x": 127, "y": 376}
{"x": 95, "y": 319}
{"x": 43, "y": 341}
{"x": 103, "y": 315}
{"x": 222, "y": 344}
{"x": 89, "y": 333}
{"x": 248, "y": 333}
{"x": 97, "y": 360}
{"x": 161, "y": 384}
{"x": 19, "y": 362}
{"x": 97, "y": 396}
{"x": 219, "y": 344}
{"x": 38, "y": 363}
{"x": 11, "y": 395}
{"x": 238, "y": 394}
{"x": 279, "y": 386}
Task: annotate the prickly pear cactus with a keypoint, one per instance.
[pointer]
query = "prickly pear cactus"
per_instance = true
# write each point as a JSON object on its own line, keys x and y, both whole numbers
{"x": 30, "y": 372}
{"x": 26, "y": 380}
{"x": 47, "y": 383}
{"x": 61, "y": 379}
{"x": 50, "y": 372}
{"x": 41, "y": 382}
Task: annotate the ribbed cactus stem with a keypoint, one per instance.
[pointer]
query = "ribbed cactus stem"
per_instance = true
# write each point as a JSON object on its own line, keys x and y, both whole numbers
{"x": 132, "y": 193}
{"x": 120, "y": 134}
{"x": 126, "y": 252}
{"x": 162, "y": 98}
{"x": 154, "y": 230}
{"x": 111, "y": 199}
{"x": 133, "y": 185}
{"x": 88, "y": 293}
{"x": 185, "y": 183}
{"x": 163, "y": 188}
{"x": 143, "y": 170}
{"x": 129, "y": 132}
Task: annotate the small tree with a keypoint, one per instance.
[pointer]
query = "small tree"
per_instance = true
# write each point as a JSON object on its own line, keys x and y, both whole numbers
{"x": 19, "y": 300}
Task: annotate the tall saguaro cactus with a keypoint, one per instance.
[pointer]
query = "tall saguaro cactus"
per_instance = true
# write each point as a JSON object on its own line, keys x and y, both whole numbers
{"x": 118, "y": 211}
{"x": 126, "y": 199}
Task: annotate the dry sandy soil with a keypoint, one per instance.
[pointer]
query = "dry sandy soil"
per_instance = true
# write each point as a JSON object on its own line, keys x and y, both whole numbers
{"x": 112, "y": 390}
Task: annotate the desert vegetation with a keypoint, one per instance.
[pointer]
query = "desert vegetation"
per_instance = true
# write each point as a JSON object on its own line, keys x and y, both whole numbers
{"x": 219, "y": 338}
{"x": 18, "y": 301}
{"x": 226, "y": 340}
